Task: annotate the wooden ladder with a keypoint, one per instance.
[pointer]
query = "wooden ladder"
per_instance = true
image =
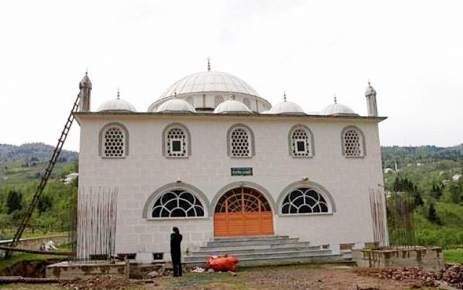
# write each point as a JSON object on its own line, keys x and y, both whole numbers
{"x": 45, "y": 177}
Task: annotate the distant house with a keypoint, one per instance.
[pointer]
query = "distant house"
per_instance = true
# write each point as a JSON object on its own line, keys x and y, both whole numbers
{"x": 70, "y": 177}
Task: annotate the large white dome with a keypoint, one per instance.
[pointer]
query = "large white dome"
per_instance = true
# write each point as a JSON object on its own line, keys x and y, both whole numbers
{"x": 116, "y": 105}
{"x": 231, "y": 106}
{"x": 175, "y": 105}
{"x": 209, "y": 81}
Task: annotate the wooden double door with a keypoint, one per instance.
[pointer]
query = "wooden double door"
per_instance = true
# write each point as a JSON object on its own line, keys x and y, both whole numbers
{"x": 243, "y": 211}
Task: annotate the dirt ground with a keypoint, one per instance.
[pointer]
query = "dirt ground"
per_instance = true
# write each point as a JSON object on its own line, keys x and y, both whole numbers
{"x": 327, "y": 277}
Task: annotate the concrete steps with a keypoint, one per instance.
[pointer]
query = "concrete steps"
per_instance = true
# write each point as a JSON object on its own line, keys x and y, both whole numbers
{"x": 263, "y": 251}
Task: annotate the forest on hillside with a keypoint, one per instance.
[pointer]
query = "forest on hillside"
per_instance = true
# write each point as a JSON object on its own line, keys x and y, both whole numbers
{"x": 423, "y": 186}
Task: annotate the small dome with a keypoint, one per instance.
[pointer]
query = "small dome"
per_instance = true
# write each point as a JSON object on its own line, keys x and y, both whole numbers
{"x": 370, "y": 90}
{"x": 176, "y": 106}
{"x": 338, "y": 110}
{"x": 231, "y": 106}
{"x": 286, "y": 107}
{"x": 116, "y": 105}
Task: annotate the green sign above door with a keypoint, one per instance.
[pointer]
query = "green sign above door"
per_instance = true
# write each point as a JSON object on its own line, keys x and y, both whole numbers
{"x": 241, "y": 171}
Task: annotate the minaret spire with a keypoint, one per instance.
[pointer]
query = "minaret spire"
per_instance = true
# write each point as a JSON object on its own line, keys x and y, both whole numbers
{"x": 208, "y": 64}
{"x": 85, "y": 87}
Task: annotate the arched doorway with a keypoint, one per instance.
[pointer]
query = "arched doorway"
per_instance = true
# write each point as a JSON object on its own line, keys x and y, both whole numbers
{"x": 243, "y": 211}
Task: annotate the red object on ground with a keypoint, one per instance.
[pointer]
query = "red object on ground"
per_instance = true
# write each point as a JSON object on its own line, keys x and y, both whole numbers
{"x": 222, "y": 263}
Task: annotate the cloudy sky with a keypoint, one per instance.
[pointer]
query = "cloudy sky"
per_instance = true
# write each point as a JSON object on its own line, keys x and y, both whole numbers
{"x": 411, "y": 51}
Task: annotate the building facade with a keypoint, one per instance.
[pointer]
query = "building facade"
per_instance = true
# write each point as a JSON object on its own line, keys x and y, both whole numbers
{"x": 215, "y": 159}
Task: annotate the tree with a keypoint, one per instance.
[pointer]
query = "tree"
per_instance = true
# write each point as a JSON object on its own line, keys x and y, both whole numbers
{"x": 432, "y": 215}
{"x": 436, "y": 191}
{"x": 14, "y": 201}
{"x": 44, "y": 204}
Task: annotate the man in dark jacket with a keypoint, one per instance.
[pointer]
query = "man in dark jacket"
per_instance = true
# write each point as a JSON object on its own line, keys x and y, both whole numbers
{"x": 175, "y": 251}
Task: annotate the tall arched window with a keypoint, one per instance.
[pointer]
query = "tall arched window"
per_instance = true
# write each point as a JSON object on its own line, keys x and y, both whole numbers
{"x": 304, "y": 201}
{"x": 301, "y": 142}
{"x": 191, "y": 101}
{"x": 176, "y": 141}
{"x": 114, "y": 141}
{"x": 247, "y": 103}
{"x": 353, "y": 142}
{"x": 218, "y": 100}
{"x": 240, "y": 141}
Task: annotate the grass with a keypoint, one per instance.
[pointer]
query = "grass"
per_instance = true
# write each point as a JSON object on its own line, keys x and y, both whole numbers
{"x": 453, "y": 256}
{"x": 6, "y": 263}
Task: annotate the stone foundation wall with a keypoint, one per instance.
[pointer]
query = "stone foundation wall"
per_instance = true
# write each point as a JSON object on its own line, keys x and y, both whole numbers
{"x": 71, "y": 270}
{"x": 429, "y": 258}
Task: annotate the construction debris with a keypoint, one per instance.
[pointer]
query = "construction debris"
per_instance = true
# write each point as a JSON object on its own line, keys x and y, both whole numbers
{"x": 451, "y": 275}
{"x": 102, "y": 283}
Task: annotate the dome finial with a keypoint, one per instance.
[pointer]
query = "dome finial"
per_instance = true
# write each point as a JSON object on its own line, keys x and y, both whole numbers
{"x": 335, "y": 101}
{"x": 369, "y": 83}
{"x": 118, "y": 94}
{"x": 208, "y": 64}
{"x": 284, "y": 96}
{"x": 175, "y": 94}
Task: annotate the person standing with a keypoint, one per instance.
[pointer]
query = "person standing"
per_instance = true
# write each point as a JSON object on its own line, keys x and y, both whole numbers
{"x": 176, "y": 251}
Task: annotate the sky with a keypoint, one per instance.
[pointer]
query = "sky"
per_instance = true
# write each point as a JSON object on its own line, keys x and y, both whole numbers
{"x": 411, "y": 52}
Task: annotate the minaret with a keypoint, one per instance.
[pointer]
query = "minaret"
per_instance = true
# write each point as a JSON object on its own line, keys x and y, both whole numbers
{"x": 85, "y": 87}
{"x": 372, "y": 107}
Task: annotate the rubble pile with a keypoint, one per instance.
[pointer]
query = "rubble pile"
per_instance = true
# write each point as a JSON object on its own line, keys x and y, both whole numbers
{"x": 451, "y": 275}
{"x": 99, "y": 283}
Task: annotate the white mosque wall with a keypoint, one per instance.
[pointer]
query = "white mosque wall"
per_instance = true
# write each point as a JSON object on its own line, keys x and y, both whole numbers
{"x": 145, "y": 169}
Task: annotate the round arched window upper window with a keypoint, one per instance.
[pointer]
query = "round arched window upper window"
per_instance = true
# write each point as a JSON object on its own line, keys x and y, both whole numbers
{"x": 304, "y": 201}
{"x": 177, "y": 203}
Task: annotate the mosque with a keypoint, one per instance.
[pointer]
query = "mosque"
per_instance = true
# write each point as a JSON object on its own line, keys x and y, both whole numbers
{"x": 215, "y": 159}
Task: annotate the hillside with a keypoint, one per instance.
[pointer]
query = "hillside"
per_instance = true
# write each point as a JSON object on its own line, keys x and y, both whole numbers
{"x": 33, "y": 152}
{"x": 20, "y": 165}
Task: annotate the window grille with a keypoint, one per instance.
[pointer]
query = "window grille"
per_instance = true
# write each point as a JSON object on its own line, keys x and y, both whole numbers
{"x": 353, "y": 143}
{"x": 218, "y": 100}
{"x": 304, "y": 201}
{"x": 191, "y": 101}
{"x": 247, "y": 103}
{"x": 300, "y": 143}
{"x": 113, "y": 142}
{"x": 177, "y": 203}
{"x": 240, "y": 143}
{"x": 176, "y": 143}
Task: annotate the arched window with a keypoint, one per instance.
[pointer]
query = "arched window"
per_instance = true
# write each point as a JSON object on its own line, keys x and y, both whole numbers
{"x": 301, "y": 142}
{"x": 191, "y": 101}
{"x": 177, "y": 203}
{"x": 304, "y": 201}
{"x": 176, "y": 141}
{"x": 240, "y": 141}
{"x": 247, "y": 103}
{"x": 353, "y": 142}
{"x": 114, "y": 141}
{"x": 218, "y": 100}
